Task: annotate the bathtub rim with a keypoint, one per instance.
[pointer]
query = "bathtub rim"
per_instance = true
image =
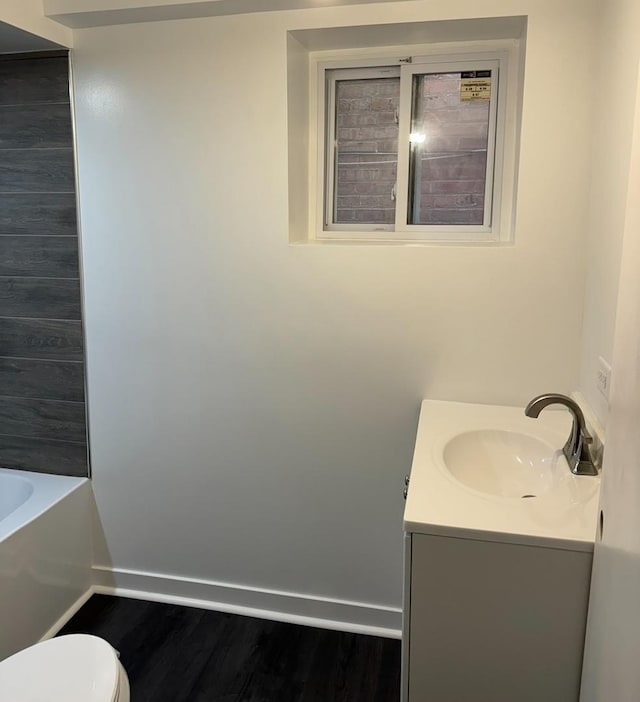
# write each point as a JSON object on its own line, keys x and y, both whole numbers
{"x": 48, "y": 491}
{"x": 27, "y": 485}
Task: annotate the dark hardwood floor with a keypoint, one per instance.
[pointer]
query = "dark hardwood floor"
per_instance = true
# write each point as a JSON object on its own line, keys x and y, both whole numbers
{"x": 183, "y": 654}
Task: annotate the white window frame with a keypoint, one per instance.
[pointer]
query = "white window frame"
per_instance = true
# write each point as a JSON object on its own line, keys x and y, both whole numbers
{"x": 331, "y": 78}
{"x": 501, "y": 169}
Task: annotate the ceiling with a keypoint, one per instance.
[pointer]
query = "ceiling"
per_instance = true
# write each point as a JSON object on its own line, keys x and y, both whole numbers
{"x": 79, "y": 14}
{"x": 14, "y": 40}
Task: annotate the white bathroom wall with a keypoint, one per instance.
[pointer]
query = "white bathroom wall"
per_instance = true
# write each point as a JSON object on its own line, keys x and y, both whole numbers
{"x": 613, "y": 635}
{"x": 253, "y": 405}
{"x": 28, "y": 15}
{"x": 613, "y": 101}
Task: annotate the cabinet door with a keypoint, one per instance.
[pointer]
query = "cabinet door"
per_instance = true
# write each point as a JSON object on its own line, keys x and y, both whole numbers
{"x": 495, "y": 622}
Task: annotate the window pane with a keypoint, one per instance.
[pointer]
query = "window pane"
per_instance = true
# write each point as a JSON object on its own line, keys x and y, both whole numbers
{"x": 449, "y": 135}
{"x": 366, "y": 150}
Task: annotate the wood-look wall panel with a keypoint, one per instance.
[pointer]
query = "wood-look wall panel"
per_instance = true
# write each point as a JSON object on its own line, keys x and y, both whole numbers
{"x": 34, "y": 80}
{"x": 41, "y": 338}
{"x": 37, "y": 170}
{"x": 44, "y": 298}
{"x": 42, "y": 410}
{"x": 44, "y": 214}
{"x": 35, "y": 126}
{"x": 42, "y": 419}
{"x": 39, "y": 256}
{"x": 49, "y": 380}
{"x": 44, "y": 455}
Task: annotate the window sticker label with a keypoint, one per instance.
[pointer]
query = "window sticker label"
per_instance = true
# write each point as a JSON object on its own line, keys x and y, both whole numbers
{"x": 475, "y": 88}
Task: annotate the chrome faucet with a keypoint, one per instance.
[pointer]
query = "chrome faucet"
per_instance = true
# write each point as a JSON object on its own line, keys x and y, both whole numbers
{"x": 576, "y": 450}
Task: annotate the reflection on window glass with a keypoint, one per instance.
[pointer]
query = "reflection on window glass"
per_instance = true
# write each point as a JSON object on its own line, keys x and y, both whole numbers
{"x": 449, "y": 139}
{"x": 366, "y": 150}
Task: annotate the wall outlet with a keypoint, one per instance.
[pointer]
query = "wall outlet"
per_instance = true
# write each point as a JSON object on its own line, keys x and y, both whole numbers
{"x": 603, "y": 377}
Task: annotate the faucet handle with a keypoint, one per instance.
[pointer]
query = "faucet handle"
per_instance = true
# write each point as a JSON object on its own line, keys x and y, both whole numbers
{"x": 586, "y": 437}
{"x": 575, "y": 449}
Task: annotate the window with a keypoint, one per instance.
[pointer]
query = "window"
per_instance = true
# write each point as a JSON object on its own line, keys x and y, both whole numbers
{"x": 413, "y": 148}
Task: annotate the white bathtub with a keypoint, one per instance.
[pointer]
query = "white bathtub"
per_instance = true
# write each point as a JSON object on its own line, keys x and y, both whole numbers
{"x": 45, "y": 554}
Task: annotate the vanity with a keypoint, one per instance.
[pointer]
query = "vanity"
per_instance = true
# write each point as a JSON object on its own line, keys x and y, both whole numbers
{"x": 499, "y": 538}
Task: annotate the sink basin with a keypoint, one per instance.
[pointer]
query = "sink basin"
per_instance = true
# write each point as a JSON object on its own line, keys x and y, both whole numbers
{"x": 503, "y": 463}
{"x": 489, "y": 472}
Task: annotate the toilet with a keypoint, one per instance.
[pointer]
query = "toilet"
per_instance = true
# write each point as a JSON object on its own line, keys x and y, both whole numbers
{"x": 73, "y": 668}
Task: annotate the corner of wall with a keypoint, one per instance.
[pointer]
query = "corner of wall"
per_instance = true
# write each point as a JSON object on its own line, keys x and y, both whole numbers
{"x": 617, "y": 54}
{"x": 29, "y": 16}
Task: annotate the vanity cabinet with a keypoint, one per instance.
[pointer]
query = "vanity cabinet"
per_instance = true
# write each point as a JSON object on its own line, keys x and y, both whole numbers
{"x": 492, "y": 622}
{"x": 499, "y": 539}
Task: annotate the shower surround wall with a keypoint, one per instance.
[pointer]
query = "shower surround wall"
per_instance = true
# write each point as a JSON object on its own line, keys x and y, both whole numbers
{"x": 42, "y": 409}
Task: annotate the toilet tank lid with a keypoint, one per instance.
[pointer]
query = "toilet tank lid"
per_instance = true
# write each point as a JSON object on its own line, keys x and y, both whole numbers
{"x": 73, "y": 668}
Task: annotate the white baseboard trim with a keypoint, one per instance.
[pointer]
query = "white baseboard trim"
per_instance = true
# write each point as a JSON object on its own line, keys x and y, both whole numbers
{"x": 53, "y": 630}
{"x": 294, "y": 608}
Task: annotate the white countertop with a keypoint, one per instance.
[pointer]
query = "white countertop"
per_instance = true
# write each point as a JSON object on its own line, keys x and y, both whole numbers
{"x": 438, "y": 504}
